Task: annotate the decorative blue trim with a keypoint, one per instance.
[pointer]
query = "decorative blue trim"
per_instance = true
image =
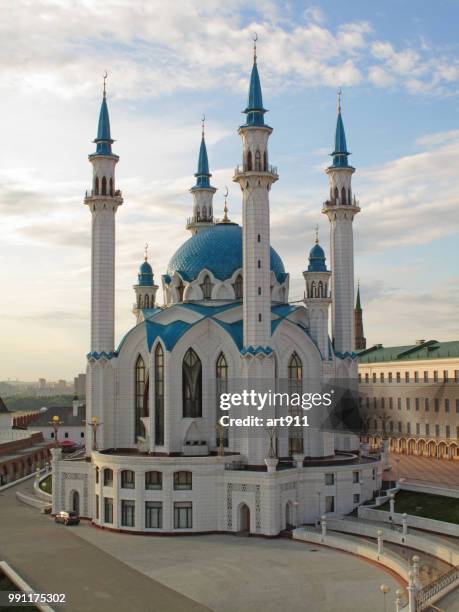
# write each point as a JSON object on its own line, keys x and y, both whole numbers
{"x": 252, "y": 350}
{"x": 102, "y": 355}
{"x": 346, "y": 355}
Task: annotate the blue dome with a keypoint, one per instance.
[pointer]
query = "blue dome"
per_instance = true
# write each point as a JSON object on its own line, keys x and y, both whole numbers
{"x": 217, "y": 249}
{"x": 317, "y": 259}
{"x": 145, "y": 274}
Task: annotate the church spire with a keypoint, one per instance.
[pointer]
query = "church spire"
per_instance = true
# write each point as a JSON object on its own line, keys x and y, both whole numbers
{"x": 340, "y": 153}
{"x": 360, "y": 340}
{"x": 254, "y": 109}
{"x": 104, "y": 140}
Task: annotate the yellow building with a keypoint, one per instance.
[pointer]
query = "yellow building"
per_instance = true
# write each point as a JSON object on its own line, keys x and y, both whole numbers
{"x": 410, "y": 395}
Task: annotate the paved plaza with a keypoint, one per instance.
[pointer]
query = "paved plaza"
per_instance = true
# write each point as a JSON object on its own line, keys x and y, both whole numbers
{"x": 424, "y": 470}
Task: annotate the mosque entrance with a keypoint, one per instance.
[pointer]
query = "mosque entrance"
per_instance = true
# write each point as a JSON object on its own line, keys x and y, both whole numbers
{"x": 244, "y": 518}
{"x": 76, "y": 501}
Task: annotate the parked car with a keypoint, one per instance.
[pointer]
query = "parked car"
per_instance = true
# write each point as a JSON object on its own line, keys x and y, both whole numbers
{"x": 68, "y": 518}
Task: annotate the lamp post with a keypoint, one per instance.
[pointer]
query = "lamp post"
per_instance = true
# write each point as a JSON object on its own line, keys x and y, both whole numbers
{"x": 397, "y": 461}
{"x": 94, "y": 424}
{"x": 55, "y": 423}
{"x": 384, "y": 590}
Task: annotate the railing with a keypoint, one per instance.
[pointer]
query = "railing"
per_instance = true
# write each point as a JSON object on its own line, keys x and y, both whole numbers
{"x": 90, "y": 194}
{"x": 337, "y": 202}
{"x": 268, "y": 170}
{"x": 192, "y": 220}
{"x": 433, "y": 591}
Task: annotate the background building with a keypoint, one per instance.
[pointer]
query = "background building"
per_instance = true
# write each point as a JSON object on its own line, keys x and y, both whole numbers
{"x": 410, "y": 394}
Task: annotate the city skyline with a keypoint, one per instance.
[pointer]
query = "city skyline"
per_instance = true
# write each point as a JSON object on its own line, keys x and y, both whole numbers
{"x": 400, "y": 113}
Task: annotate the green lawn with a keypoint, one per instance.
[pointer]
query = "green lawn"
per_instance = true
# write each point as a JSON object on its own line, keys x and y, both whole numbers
{"x": 46, "y": 485}
{"x": 429, "y": 506}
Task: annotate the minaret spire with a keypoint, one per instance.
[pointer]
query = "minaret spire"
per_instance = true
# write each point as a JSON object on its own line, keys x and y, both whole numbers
{"x": 202, "y": 191}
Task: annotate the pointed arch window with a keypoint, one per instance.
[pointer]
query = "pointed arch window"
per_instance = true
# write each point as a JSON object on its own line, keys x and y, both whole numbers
{"x": 191, "y": 385}
{"x": 141, "y": 397}
{"x": 204, "y": 213}
{"x": 221, "y": 374}
{"x": 320, "y": 289}
{"x": 343, "y": 196}
{"x": 238, "y": 287}
{"x": 104, "y": 186}
{"x": 111, "y": 186}
{"x": 265, "y": 162}
{"x": 207, "y": 288}
{"x": 159, "y": 395}
{"x": 249, "y": 161}
{"x": 96, "y": 186}
{"x": 336, "y": 193}
{"x": 147, "y": 302}
{"x": 257, "y": 160}
{"x": 295, "y": 385}
{"x": 312, "y": 291}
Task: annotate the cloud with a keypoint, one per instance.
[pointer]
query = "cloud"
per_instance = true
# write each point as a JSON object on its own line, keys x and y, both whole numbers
{"x": 157, "y": 48}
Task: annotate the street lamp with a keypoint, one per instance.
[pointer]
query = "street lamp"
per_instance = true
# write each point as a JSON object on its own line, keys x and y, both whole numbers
{"x": 94, "y": 425}
{"x": 55, "y": 423}
{"x": 384, "y": 590}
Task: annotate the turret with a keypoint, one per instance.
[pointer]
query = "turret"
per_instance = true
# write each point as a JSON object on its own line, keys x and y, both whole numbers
{"x": 317, "y": 298}
{"x": 341, "y": 209}
{"x": 360, "y": 340}
{"x": 145, "y": 289}
{"x": 202, "y": 191}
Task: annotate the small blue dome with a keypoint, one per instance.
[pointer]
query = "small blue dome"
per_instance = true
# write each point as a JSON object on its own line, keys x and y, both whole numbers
{"x": 317, "y": 259}
{"x": 217, "y": 249}
{"x": 145, "y": 274}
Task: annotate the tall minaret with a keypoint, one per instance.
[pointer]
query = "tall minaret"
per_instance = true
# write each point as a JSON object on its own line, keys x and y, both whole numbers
{"x": 255, "y": 178}
{"x": 202, "y": 191}
{"x": 360, "y": 340}
{"x": 103, "y": 201}
{"x": 341, "y": 209}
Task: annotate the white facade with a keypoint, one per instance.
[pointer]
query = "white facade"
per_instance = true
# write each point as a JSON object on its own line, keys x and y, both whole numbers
{"x": 226, "y": 325}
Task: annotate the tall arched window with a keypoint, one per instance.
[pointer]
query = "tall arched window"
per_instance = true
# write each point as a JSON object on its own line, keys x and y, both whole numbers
{"x": 265, "y": 162}
{"x": 159, "y": 395}
{"x": 343, "y": 196}
{"x": 238, "y": 287}
{"x": 204, "y": 213}
{"x": 320, "y": 289}
{"x": 180, "y": 290}
{"x": 191, "y": 385}
{"x": 206, "y": 288}
{"x": 140, "y": 388}
{"x": 313, "y": 289}
{"x": 295, "y": 385}
{"x": 336, "y": 193}
{"x": 96, "y": 186}
{"x": 221, "y": 373}
{"x": 146, "y": 302}
{"x": 104, "y": 186}
{"x": 249, "y": 160}
{"x": 110, "y": 186}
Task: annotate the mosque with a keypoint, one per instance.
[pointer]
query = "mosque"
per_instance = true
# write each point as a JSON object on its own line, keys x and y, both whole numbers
{"x": 157, "y": 459}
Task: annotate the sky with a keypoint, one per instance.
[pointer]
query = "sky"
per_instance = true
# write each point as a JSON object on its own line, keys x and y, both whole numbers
{"x": 171, "y": 62}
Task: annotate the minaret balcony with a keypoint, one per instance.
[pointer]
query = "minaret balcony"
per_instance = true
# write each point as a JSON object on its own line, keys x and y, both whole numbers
{"x": 192, "y": 220}
{"x": 242, "y": 170}
{"x": 91, "y": 194}
{"x": 337, "y": 202}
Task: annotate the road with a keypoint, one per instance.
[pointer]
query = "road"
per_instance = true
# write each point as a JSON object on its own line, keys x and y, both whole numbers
{"x": 53, "y": 559}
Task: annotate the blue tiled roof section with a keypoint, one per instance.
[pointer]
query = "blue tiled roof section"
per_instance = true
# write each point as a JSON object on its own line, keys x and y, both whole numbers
{"x": 169, "y": 334}
{"x": 235, "y": 330}
{"x": 104, "y": 140}
{"x": 145, "y": 275}
{"x": 219, "y": 250}
{"x": 283, "y": 310}
{"x": 254, "y": 109}
{"x": 340, "y": 154}
{"x": 317, "y": 259}
{"x": 208, "y": 311}
{"x": 202, "y": 174}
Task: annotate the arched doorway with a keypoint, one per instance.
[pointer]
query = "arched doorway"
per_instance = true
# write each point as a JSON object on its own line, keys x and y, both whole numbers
{"x": 244, "y": 518}
{"x": 75, "y": 501}
{"x": 289, "y": 520}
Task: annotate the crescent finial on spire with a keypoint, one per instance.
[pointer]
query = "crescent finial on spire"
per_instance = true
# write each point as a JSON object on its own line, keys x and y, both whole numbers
{"x": 105, "y": 78}
{"x": 146, "y": 251}
{"x": 339, "y": 92}
{"x": 203, "y": 123}
{"x": 225, "y": 209}
{"x": 255, "y": 38}
{"x": 317, "y": 233}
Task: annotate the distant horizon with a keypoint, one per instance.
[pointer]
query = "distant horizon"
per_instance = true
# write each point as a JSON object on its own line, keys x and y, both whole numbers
{"x": 401, "y": 116}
